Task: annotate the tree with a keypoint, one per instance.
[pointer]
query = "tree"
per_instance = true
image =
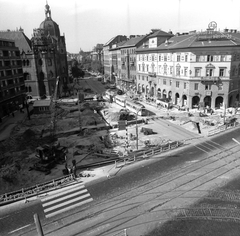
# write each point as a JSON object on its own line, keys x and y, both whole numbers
{"x": 76, "y": 70}
{"x": 97, "y": 66}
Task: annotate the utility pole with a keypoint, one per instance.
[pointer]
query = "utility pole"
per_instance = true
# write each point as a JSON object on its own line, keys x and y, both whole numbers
{"x": 79, "y": 110}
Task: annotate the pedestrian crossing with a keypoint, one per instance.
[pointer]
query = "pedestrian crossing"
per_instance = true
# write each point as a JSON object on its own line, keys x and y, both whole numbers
{"x": 65, "y": 199}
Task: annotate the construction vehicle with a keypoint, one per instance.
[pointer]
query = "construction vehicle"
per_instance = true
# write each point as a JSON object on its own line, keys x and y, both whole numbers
{"x": 49, "y": 156}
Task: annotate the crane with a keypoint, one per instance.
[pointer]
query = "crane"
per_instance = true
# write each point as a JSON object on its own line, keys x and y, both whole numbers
{"x": 53, "y": 109}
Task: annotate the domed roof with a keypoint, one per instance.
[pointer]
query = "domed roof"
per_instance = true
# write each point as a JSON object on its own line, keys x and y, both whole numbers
{"x": 48, "y": 25}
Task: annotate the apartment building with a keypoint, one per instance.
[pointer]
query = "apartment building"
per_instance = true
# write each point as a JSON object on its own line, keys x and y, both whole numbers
{"x": 12, "y": 88}
{"x": 107, "y": 56}
{"x": 192, "y": 69}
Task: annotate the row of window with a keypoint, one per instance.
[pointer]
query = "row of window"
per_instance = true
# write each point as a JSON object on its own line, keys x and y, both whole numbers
{"x": 4, "y": 83}
{"x": 168, "y": 70}
{"x": 8, "y": 53}
{"x": 12, "y": 91}
{"x": 184, "y": 57}
{"x": 10, "y": 63}
{"x": 10, "y": 72}
{"x": 177, "y": 84}
{"x": 128, "y": 51}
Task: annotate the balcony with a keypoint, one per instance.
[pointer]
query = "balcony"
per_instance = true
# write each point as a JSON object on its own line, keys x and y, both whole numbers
{"x": 211, "y": 79}
{"x": 152, "y": 74}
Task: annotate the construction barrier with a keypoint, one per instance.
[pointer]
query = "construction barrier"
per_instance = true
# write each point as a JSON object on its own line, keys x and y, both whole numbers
{"x": 221, "y": 128}
{"x": 141, "y": 155}
{"x": 25, "y": 193}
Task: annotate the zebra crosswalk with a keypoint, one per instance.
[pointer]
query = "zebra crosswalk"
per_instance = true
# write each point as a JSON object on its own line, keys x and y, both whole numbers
{"x": 65, "y": 199}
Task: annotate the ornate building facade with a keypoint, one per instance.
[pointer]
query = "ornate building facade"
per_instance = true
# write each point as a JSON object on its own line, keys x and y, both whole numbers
{"x": 192, "y": 69}
{"x": 49, "y": 57}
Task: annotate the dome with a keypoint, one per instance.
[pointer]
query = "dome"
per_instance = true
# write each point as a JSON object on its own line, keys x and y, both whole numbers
{"x": 48, "y": 25}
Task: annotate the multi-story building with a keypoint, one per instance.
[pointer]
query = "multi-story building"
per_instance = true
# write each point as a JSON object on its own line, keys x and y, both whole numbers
{"x": 128, "y": 61}
{"x": 107, "y": 57}
{"x": 12, "y": 88}
{"x": 192, "y": 69}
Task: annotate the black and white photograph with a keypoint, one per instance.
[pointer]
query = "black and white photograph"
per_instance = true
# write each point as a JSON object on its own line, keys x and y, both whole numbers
{"x": 119, "y": 118}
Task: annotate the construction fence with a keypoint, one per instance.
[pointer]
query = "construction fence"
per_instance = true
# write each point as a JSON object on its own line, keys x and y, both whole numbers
{"x": 144, "y": 154}
{"x": 35, "y": 190}
{"x": 221, "y": 128}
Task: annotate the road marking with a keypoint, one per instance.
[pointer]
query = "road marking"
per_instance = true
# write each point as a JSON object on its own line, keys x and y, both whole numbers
{"x": 65, "y": 199}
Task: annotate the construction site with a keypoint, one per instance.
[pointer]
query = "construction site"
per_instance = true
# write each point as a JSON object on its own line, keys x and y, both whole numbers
{"x": 84, "y": 134}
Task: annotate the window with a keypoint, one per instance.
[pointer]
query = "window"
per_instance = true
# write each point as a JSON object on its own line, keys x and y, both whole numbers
{"x": 177, "y": 84}
{"x": 165, "y": 68}
{"x": 195, "y": 86}
{"x": 209, "y": 57}
{"x": 164, "y": 81}
{"x": 197, "y": 58}
{"x": 165, "y": 57}
{"x": 186, "y": 58}
{"x": 185, "y": 85}
{"x": 208, "y": 87}
{"x": 223, "y": 58}
{"x": 170, "y": 82}
{"x": 178, "y": 57}
{"x": 220, "y": 87}
{"x": 221, "y": 72}
{"x": 139, "y": 67}
{"x": 152, "y": 57}
{"x": 209, "y": 72}
{"x": 171, "y": 70}
{"x": 185, "y": 71}
{"x": 178, "y": 70}
{"x": 143, "y": 67}
{"x": 142, "y": 77}
{"x": 197, "y": 72}
{"x": 147, "y": 68}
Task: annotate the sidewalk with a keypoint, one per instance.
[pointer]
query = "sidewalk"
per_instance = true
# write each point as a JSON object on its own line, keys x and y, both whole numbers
{"x": 9, "y": 122}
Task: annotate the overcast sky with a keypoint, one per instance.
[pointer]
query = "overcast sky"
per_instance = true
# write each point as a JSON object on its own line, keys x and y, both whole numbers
{"x": 86, "y": 23}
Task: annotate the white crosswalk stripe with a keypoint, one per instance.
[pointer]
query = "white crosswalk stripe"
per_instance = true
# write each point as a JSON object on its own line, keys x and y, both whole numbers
{"x": 65, "y": 199}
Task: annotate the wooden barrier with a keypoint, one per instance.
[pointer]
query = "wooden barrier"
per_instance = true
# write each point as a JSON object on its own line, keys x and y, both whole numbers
{"x": 25, "y": 193}
{"x": 141, "y": 155}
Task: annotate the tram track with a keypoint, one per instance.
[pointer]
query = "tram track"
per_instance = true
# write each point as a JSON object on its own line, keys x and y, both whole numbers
{"x": 153, "y": 185}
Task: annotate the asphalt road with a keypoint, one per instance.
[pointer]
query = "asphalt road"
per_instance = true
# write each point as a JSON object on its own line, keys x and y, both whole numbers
{"x": 102, "y": 191}
{"x": 95, "y": 85}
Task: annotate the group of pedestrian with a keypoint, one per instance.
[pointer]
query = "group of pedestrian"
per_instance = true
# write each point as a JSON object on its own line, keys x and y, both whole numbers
{"x": 71, "y": 169}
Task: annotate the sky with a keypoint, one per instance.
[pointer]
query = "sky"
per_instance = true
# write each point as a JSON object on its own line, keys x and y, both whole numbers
{"x": 85, "y": 23}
